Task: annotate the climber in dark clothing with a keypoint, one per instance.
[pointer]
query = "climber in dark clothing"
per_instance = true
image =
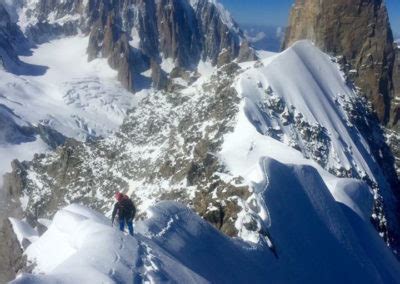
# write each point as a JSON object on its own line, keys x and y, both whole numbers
{"x": 125, "y": 209}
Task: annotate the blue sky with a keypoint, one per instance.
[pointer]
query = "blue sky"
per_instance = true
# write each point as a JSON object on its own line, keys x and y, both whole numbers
{"x": 275, "y": 12}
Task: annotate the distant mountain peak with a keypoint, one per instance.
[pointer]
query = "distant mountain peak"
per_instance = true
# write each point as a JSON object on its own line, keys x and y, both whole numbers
{"x": 135, "y": 35}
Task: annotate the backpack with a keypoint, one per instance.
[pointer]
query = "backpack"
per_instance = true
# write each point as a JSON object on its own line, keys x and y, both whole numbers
{"x": 126, "y": 208}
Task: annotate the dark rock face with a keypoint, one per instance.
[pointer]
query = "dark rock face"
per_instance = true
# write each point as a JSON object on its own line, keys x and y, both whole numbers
{"x": 179, "y": 32}
{"x": 246, "y": 53}
{"x": 358, "y": 30}
{"x": 10, "y": 36}
{"x": 12, "y": 132}
{"x": 11, "y": 258}
{"x": 159, "y": 77}
{"x": 217, "y": 35}
{"x": 107, "y": 41}
{"x": 393, "y": 134}
{"x": 50, "y": 136}
{"x": 136, "y": 34}
{"x": 11, "y": 254}
{"x": 14, "y": 182}
{"x": 395, "y": 115}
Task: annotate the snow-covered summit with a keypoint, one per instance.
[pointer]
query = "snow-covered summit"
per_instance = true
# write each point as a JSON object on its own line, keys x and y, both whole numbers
{"x": 302, "y": 87}
{"x": 224, "y": 14}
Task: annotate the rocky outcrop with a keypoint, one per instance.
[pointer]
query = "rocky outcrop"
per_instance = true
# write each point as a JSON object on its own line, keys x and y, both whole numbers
{"x": 11, "y": 254}
{"x": 218, "y": 31}
{"x": 158, "y": 76}
{"x": 107, "y": 40}
{"x": 14, "y": 182}
{"x": 395, "y": 115}
{"x": 136, "y": 34}
{"x": 10, "y": 36}
{"x": 180, "y": 131}
{"x": 50, "y": 136}
{"x": 359, "y": 31}
{"x": 12, "y": 260}
{"x": 179, "y": 32}
{"x": 12, "y": 132}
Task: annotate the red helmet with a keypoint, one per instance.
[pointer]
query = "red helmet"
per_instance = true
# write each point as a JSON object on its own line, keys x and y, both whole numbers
{"x": 118, "y": 196}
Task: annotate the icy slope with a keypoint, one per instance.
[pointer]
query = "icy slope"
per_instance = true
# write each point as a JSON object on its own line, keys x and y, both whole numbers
{"x": 175, "y": 245}
{"x": 300, "y": 87}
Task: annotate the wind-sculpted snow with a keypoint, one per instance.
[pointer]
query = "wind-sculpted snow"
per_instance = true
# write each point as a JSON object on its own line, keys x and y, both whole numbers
{"x": 298, "y": 197}
{"x": 315, "y": 239}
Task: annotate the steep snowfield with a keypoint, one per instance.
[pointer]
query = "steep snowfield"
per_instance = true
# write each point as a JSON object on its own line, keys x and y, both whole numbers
{"x": 244, "y": 151}
{"x": 175, "y": 245}
{"x": 309, "y": 86}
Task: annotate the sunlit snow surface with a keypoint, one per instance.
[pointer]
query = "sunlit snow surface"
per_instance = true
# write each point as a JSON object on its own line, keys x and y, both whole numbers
{"x": 318, "y": 224}
{"x": 311, "y": 85}
{"x": 316, "y": 240}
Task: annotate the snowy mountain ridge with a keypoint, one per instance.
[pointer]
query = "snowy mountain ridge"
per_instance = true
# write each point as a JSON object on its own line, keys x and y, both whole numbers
{"x": 210, "y": 156}
{"x": 254, "y": 143}
{"x": 175, "y": 245}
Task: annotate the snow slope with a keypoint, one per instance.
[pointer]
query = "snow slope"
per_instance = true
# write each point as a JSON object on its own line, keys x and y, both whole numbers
{"x": 311, "y": 87}
{"x": 175, "y": 245}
